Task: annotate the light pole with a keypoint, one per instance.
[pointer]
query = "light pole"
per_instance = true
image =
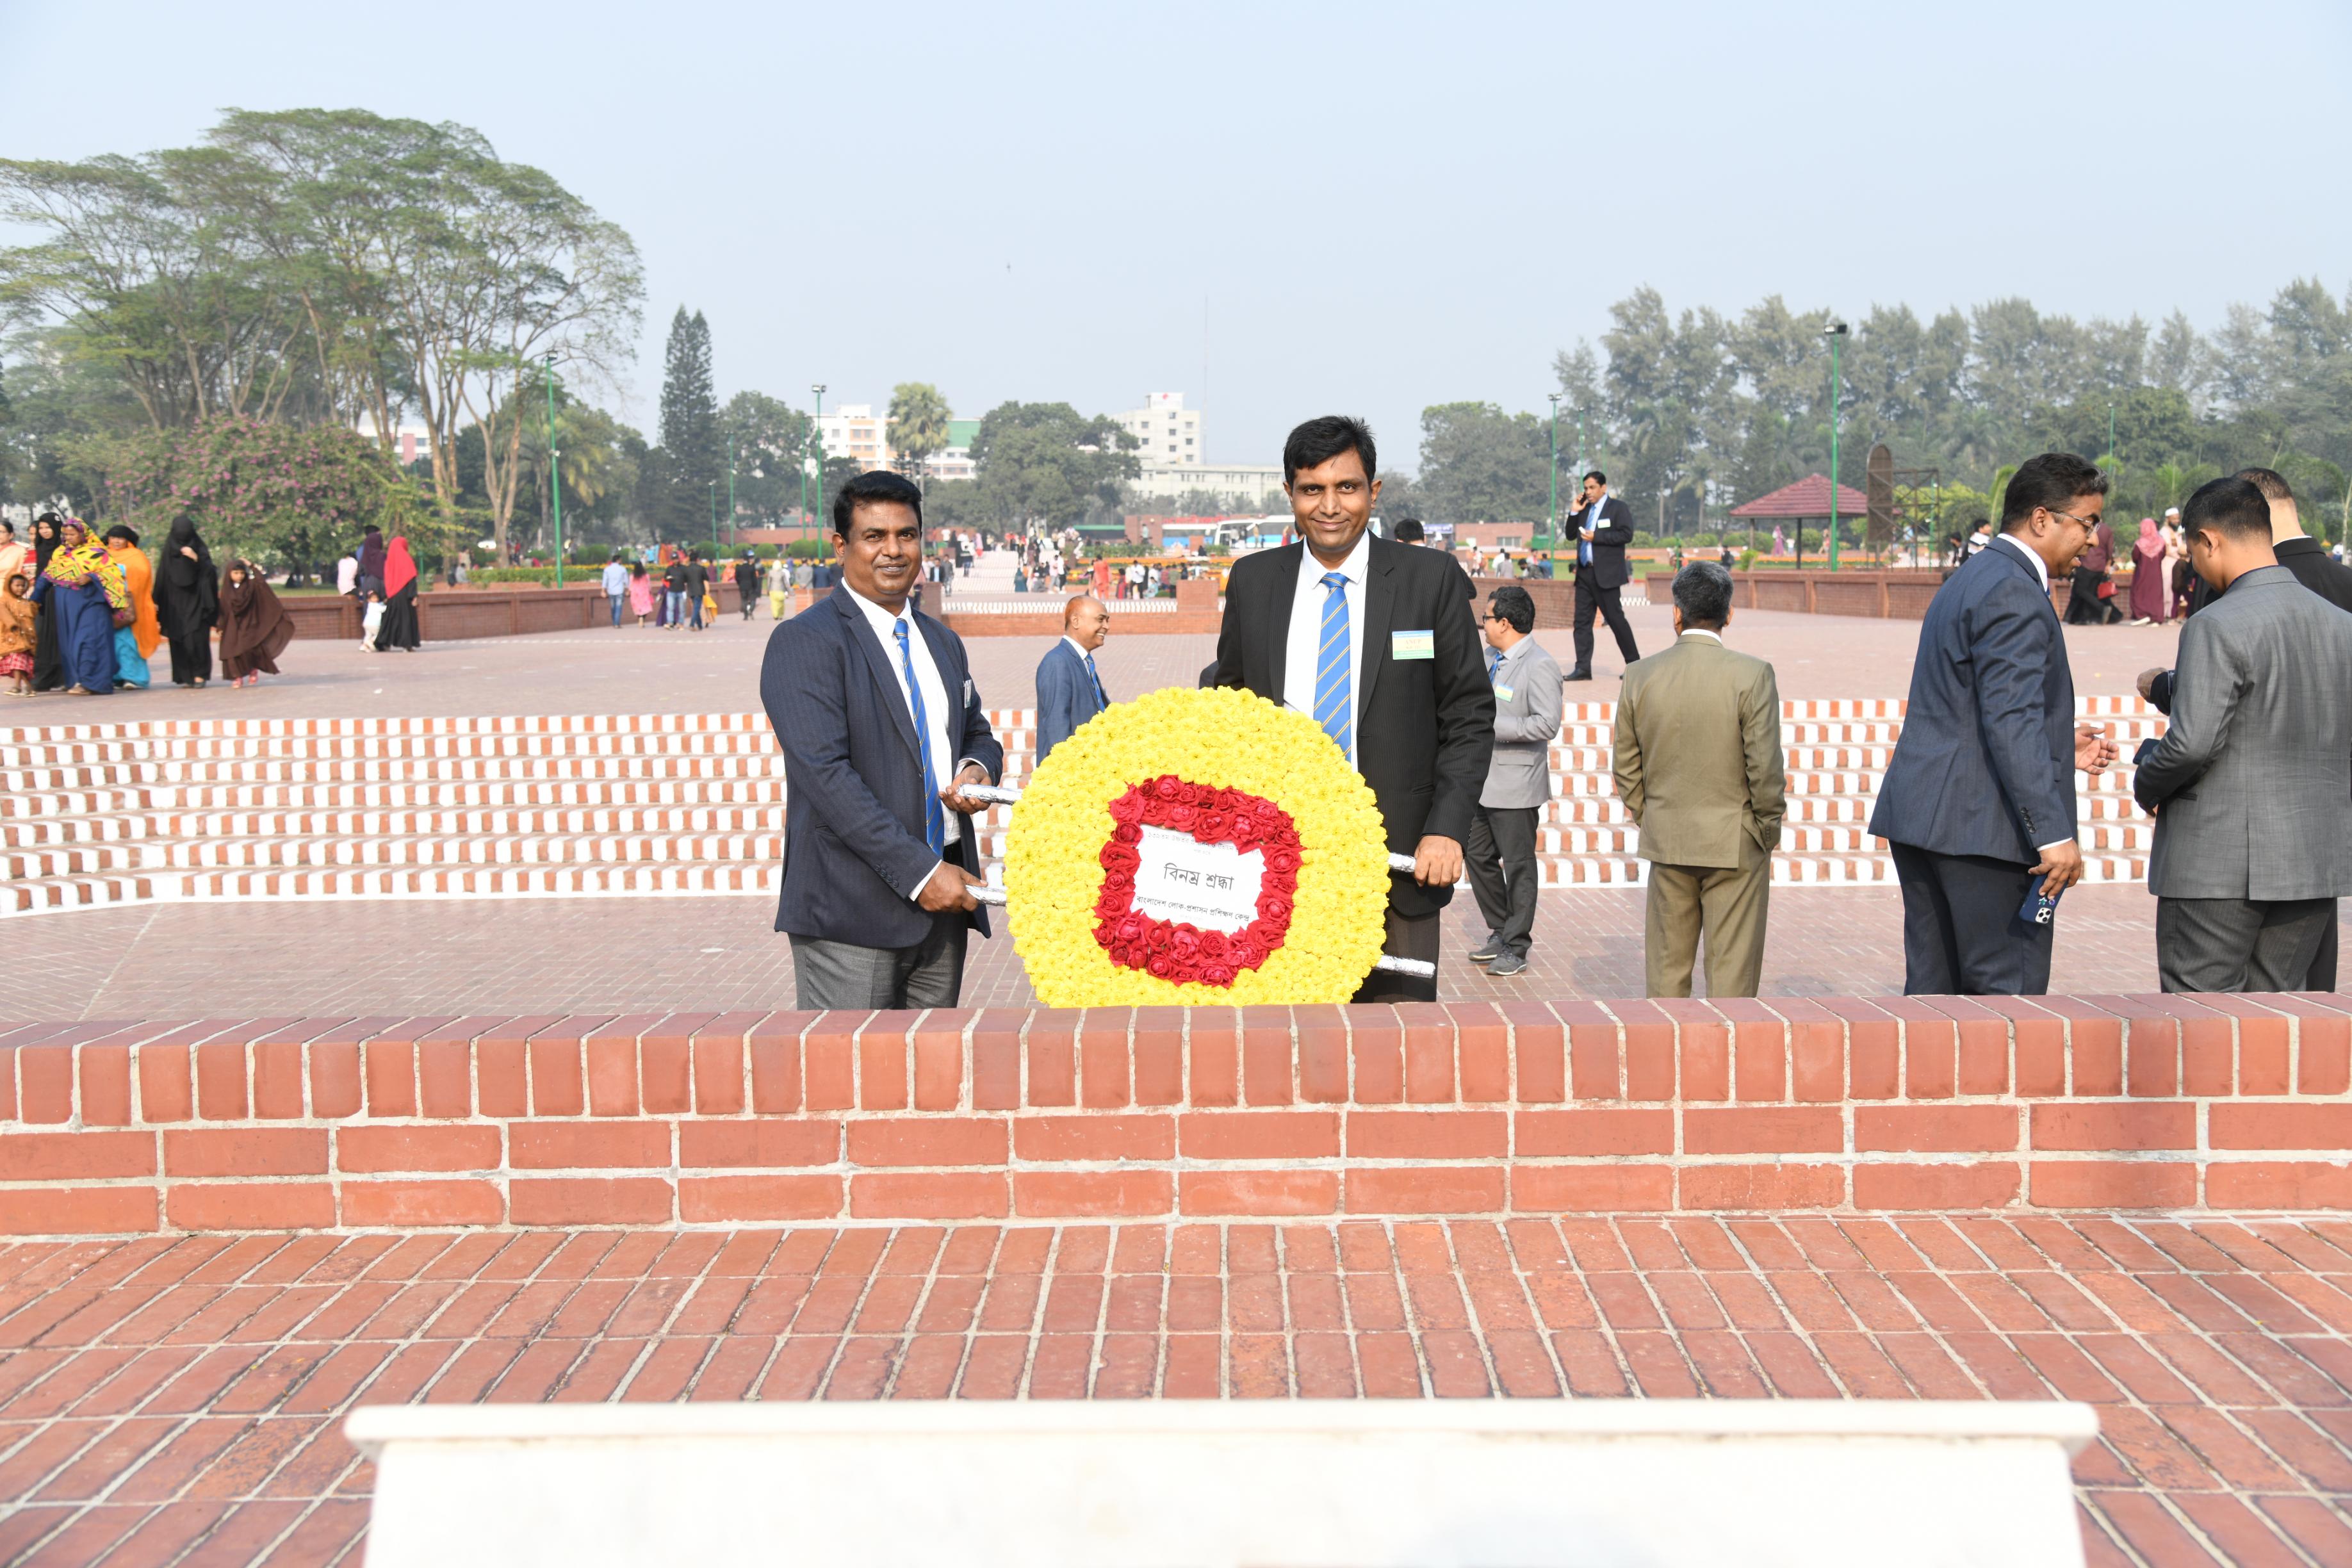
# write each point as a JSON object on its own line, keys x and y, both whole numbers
{"x": 1835, "y": 332}
{"x": 816, "y": 435}
{"x": 1551, "y": 519}
{"x": 714, "y": 518}
{"x": 555, "y": 472}
{"x": 730, "y": 491}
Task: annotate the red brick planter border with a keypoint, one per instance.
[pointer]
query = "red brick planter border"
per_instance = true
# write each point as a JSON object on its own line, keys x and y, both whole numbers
{"x": 2106, "y": 1102}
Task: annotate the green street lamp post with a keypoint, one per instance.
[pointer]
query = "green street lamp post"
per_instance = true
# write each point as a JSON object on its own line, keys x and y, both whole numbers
{"x": 1551, "y": 519}
{"x": 1836, "y": 332}
{"x": 730, "y": 492}
{"x": 817, "y": 439}
{"x": 714, "y": 518}
{"x": 555, "y": 472}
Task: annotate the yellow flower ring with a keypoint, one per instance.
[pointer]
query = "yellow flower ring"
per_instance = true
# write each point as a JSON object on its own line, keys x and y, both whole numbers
{"x": 1228, "y": 768}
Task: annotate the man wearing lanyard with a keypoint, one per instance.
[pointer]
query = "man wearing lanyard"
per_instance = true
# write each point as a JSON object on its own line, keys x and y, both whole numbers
{"x": 1603, "y": 529}
{"x": 873, "y": 706}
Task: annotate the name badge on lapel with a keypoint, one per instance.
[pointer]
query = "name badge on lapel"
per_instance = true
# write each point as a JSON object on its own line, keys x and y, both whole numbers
{"x": 1502, "y": 692}
{"x": 967, "y": 694}
{"x": 1413, "y": 644}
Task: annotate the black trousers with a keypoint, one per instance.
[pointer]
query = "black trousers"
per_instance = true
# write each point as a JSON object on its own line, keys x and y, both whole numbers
{"x": 192, "y": 658}
{"x": 1961, "y": 936}
{"x": 1407, "y": 937}
{"x": 2239, "y": 945}
{"x": 1501, "y": 851}
{"x": 2084, "y": 606}
{"x": 1591, "y": 596}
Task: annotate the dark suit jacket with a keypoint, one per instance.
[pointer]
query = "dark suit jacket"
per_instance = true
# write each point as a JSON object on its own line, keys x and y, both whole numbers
{"x": 2313, "y": 567}
{"x": 1065, "y": 696}
{"x": 1425, "y": 727}
{"x": 1612, "y": 532}
{"x": 854, "y": 827}
{"x": 1986, "y": 762}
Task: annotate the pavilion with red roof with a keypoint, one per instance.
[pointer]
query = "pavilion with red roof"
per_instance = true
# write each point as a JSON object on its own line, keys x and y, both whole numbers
{"x": 1806, "y": 500}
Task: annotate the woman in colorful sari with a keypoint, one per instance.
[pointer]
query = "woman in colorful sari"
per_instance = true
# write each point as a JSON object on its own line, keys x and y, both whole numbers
{"x": 82, "y": 589}
{"x": 399, "y": 629}
{"x": 135, "y": 643}
{"x": 48, "y": 665}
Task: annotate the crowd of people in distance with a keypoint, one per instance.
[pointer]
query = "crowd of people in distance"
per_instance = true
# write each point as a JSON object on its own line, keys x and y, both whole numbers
{"x": 82, "y": 616}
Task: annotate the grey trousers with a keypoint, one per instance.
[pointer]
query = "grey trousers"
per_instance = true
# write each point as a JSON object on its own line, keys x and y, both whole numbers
{"x": 2240, "y": 944}
{"x": 1415, "y": 937}
{"x": 842, "y": 974}
{"x": 1501, "y": 851}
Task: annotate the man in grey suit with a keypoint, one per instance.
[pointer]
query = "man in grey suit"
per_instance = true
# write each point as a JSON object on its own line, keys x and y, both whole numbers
{"x": 1501, "y": 849}
{"x": 2251, "y": 784}
{"x": 1699, "y": 767}
{"x": 1977, "y": 805}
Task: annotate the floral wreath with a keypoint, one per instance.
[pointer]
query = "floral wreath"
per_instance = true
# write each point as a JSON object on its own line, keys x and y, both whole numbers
{"x": 1225, "y": 767}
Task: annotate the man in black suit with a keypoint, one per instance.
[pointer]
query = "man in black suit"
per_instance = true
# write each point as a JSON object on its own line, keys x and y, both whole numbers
{"x": 1368, "y": 639}
{"x": 1603, "y": 528}
{"x": 1977, "y": 805}
{"x": 2308, "y": 560}
{"x": 881, "y": 728}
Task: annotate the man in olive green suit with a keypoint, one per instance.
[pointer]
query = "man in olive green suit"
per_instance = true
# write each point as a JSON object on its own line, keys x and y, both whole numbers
{"x": 1698, "y": 766}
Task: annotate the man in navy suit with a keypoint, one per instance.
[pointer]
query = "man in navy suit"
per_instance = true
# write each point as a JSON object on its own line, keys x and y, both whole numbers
{"x": 881, "y": 729}
{"x": 1602, "y": 527}
{"x": 1977, "y": 805}
{"x": 1069, "y": 688}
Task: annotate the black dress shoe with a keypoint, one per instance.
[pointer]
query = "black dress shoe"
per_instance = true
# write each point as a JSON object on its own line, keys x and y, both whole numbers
{"x": 1578, "y": 675}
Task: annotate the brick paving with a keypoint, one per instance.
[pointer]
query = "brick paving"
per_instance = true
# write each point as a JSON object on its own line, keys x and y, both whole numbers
{"x": 177, "y": 1400}
{"x": 633, "y": 671}
{"x": 687, "y": 955}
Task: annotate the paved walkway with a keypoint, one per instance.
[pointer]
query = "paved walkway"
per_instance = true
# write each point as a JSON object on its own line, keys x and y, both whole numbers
{"x": 167, "y": 1401}
{"x": 400, "y": 957}
{"x": 634, "y": 671}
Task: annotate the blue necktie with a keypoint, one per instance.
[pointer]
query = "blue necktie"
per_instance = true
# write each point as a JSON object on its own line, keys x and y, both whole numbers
{"x": 1101, "y": 701}
{"x": 1493, "y": 663}
{"x": 935, "y": 816}
{"x": 1335, "y": 708}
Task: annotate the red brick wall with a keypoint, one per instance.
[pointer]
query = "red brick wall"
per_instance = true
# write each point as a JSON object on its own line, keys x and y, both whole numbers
{"x": 2234, "y": 1103}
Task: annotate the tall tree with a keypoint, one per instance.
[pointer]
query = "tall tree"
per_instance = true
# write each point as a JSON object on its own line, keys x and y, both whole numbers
{"x": 919, "y": 424}
{"x": 690, "y": 430}
{"x": 772, "y": 441}
{"x": 1046, "y": 462}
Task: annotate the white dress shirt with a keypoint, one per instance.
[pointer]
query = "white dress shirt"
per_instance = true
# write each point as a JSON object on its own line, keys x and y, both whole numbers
{"x": 935, "y": 703}
{"x": 2032, "y": 558}
{"x": 1306, "y": 639}
{"x": 2042, "y": 573}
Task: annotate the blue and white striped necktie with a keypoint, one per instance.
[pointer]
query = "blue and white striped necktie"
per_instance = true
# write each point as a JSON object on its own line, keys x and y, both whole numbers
{"x": 1335, "y": 683}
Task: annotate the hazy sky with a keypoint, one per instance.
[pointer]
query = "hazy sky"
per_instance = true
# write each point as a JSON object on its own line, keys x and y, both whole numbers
{"x": 1374, "y": 206}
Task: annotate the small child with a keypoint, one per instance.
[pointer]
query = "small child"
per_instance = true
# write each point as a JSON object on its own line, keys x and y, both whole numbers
{"x": 17, "y": 635}
{"x": 373, "y": 623}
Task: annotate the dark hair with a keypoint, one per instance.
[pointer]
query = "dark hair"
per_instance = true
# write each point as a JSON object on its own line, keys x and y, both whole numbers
{"x": 1513, "y": 604}
{"x": 2050, "y": 481}
{"x": 124, "y": 534}
{"x": 1408, "y": 530}
{"x": 2232, "y": 506}
{"x": 1319, "y": 441}
{"x": 1596, "y": 474}
{"x": 878, "y": 487}
{"x": 1703, "y": 593}
{"x": 637, "y": 568}
{"x": 2268, "y": 481}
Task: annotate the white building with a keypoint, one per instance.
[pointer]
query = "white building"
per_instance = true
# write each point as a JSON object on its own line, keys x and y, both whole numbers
{"x": 1168, "y": 433}
{"x": 854, "y": 430}
{"x": 1174, "y": 456}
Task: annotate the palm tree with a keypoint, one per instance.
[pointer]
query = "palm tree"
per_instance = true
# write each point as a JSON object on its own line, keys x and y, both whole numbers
{"x": 919, "y": 423}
